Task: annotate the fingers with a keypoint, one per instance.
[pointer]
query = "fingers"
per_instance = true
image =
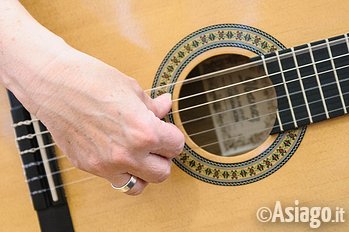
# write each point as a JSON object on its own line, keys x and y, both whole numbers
{"x": 170, "y": 140}
{"x": 157, "y": 143}
{"x": 152, "y": 168}
{"x": 160, "y": 106}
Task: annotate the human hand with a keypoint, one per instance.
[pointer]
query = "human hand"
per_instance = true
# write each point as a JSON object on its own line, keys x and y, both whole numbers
{"x": 100, "y": 118}
{"x": 104, "y": 122}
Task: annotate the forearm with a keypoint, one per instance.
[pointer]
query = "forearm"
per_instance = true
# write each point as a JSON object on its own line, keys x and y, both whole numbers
{"x": 99, "y": 117}
{"x": 26, "y": 48}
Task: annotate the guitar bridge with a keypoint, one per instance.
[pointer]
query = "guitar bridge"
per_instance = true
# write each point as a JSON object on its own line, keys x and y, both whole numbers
{"x": 36, "y": 149}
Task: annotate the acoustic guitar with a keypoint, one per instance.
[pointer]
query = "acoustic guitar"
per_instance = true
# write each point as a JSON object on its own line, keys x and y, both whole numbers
{"x": 260, "y": 90}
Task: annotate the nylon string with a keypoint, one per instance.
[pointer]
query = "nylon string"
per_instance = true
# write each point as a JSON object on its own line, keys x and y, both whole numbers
{"x": 194, "y": 148}
{"x": 250, "y": 64}
{"x": 206, "y": 76}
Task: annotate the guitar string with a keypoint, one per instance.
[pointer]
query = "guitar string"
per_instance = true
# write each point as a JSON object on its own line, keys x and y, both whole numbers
{"x": 28, "y": 122}
{"x": 47, "y": 132}
{"x": 253, "y": 63}
{"x": 29, "y": 136}
{"x": 255, "y": 103}
{"x": 93, "y": 176}
{"x": 36, "y": 178}
{"x": 210, "y": 144}
{"x": 52, "y": 159}
{"x": 37, "y": 163}
{"x": 258, "y": 131}
{"x": 271, "y": 99}
{"x": 272, "y": 113}
{"x": 267, "y": 129}
{"x": 74, "y": 168}
{"x": 33, "y": 193}
{"x": 24, "y": 123}
{"x": 278, "y": 56}
{"x": 34, "y": 149}
{"x": 261, "y": 77}
{"x": 209, "y": 130}
{"x": 212, "y": 74}
{"x": 197, "y": 147}
{"x": 195, "y": 134}
{"x": 256, "y": 90}
{"x": 265, "y": 115}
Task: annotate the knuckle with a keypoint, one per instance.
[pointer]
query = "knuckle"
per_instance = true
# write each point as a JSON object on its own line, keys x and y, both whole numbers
{"x": 94, "y": 165}
{"x": 119, "y": 159}
{"x": 91, "y": 165}
{"x": 150, "y": 139}
{"x": 145, "y": 137}
{"x": 163, "y": 174}
{"x": 176, "y": 149}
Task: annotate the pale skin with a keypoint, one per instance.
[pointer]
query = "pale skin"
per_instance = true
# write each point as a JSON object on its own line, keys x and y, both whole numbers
{"x": 99, "y": 117}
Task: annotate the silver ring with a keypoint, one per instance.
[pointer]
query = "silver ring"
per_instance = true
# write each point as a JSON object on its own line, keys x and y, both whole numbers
{"x": 127, "y": 187}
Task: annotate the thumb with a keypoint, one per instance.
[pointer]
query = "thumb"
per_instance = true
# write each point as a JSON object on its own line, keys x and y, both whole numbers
{"x": 160, "y": 106}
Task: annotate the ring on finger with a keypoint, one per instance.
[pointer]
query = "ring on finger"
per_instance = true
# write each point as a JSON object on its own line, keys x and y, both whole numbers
{"x": 126, "y": 187}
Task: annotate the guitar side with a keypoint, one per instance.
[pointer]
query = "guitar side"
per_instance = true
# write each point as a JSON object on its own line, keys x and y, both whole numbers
{"x": 316, "y": 175}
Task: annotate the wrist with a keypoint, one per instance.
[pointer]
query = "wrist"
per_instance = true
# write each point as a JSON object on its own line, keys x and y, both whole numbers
{"x": 26, "y": 49}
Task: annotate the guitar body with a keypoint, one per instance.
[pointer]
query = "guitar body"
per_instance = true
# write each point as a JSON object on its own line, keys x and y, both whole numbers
{"x": 135, "y": 37}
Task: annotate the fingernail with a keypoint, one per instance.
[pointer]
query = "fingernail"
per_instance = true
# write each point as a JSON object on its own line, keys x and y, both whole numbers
{"x": 168, "y": 96}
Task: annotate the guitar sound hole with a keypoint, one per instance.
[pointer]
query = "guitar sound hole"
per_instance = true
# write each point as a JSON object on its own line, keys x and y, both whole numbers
{"x": 237, "y": 124}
